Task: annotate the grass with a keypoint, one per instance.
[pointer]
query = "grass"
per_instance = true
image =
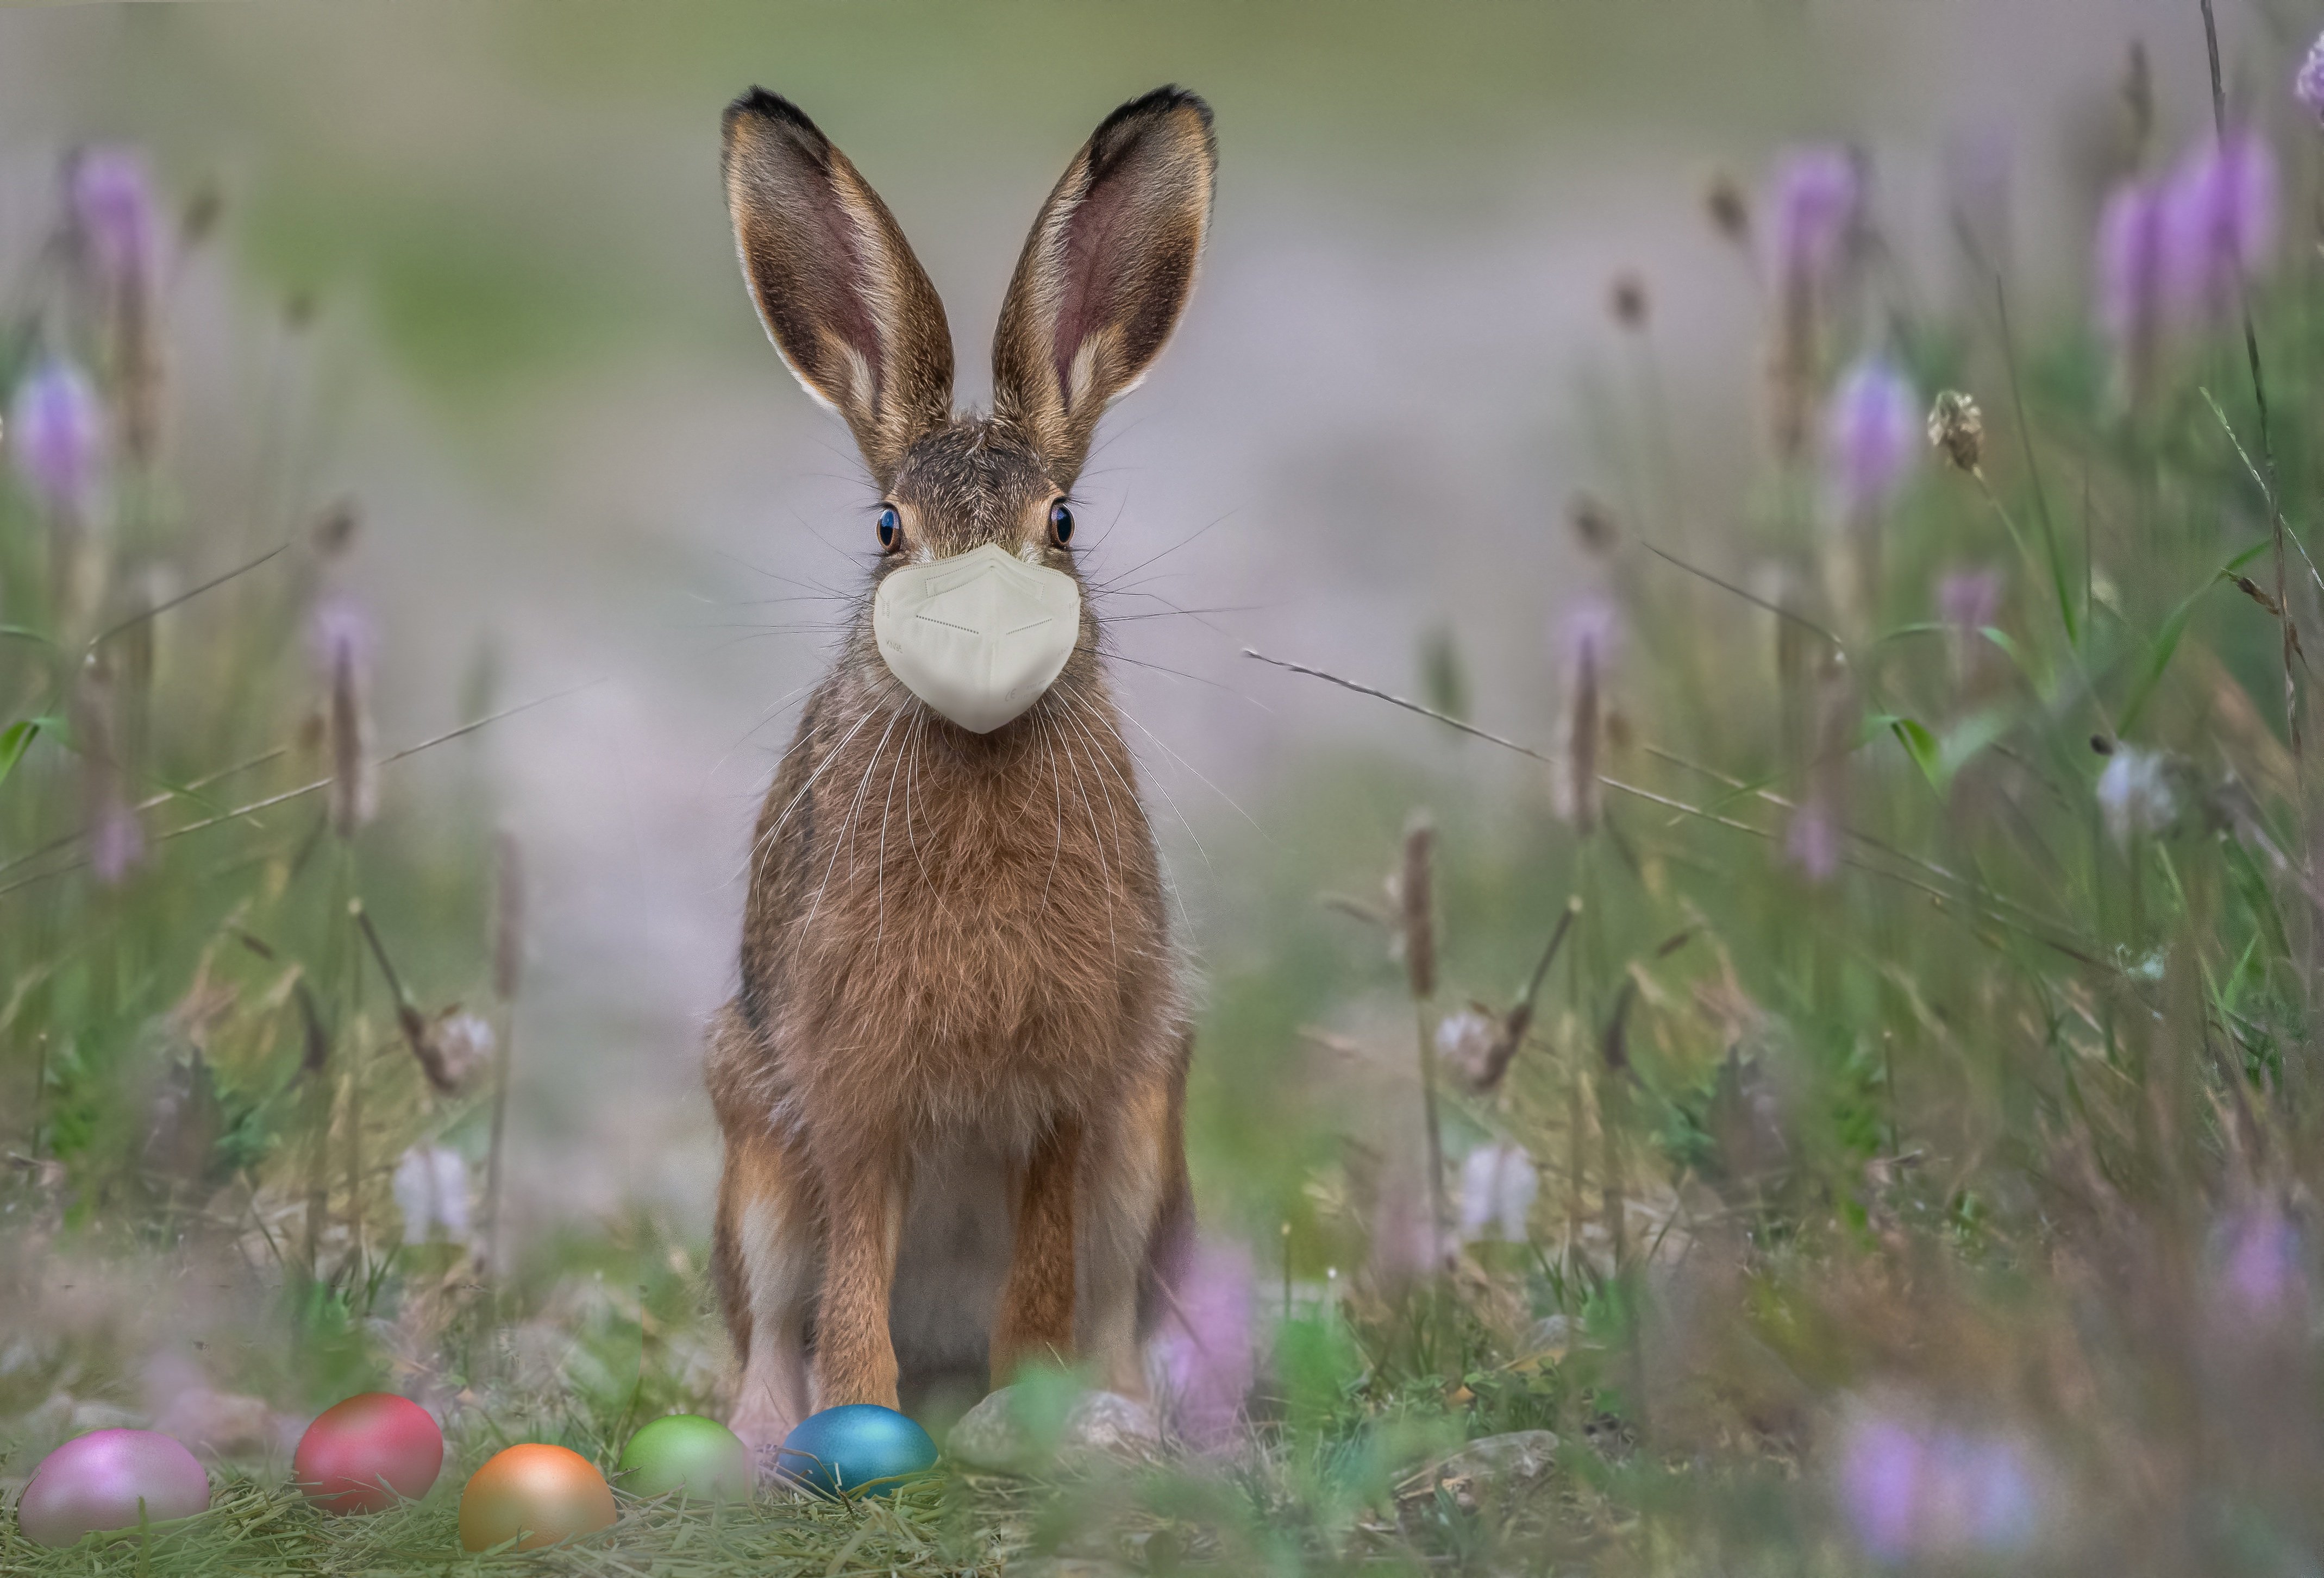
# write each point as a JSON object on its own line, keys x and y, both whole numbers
{"x": 1917, "y": 1070}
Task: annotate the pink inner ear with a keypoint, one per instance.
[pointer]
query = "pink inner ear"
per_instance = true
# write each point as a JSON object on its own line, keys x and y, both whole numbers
{"x": 846, "y": 311}
{"x": 1086, "y": 272}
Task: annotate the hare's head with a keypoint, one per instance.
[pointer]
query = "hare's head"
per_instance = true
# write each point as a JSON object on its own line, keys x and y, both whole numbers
{"x": 977, "y": 606}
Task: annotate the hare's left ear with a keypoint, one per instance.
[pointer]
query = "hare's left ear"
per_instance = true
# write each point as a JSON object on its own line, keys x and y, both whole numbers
{"x": 1105, "y": 273}
{"x": 841, "y": 296}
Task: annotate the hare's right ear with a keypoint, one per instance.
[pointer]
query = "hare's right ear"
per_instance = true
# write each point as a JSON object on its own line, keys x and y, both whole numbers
{"x": 840, "y": 292}
{"x": 1105, "y": 273}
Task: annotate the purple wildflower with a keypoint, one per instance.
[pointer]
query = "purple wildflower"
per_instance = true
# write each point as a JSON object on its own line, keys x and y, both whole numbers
{"x": 118, "y": 841}
{"x": 2130, "y": 266}
{"x": 2308, "y": 82}
{"x": 1880, "y": 1472}
{"x": 1205, "y": 1349}
{"x": 1812, "y": 839}
{"x": 1969, "y": 600}
{"x": 1589, "y": 636}
{"x": 1812, "y": 207}
{"x": 112, "y": 211}
{"x": 2219, "y": 222}
{"x": 340, "y": 637}
{"x": 57, "y": 429}
{"x": 1872, "y": 438}
{"x": 2261, "y": 1277}
{"x": 339, "y": 632}
{"x": 1912, "y": 1492}
{"x": 1497, "y": 1186}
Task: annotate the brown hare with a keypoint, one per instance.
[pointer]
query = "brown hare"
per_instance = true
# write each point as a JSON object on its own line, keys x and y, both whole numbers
{"x": 951, "y": 1085}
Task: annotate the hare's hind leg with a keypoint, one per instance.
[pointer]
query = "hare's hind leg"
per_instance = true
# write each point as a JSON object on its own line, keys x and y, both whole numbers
{"x": 1137, "y": 1217}
{"x": 1036, "y": 1319}
{"x": 766, "y": 1256}
{"x": 767, "y": 1264}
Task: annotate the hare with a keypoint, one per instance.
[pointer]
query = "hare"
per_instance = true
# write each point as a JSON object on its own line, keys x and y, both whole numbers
{"x": 951, "y": 1085}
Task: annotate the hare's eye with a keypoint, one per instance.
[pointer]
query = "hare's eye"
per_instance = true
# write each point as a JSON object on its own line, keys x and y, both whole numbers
{"x": 1061, "y": 523}
{"x": 890, "y": 527}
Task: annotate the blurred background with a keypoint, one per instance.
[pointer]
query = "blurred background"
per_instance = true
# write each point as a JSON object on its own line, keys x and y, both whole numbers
{"x": 475, "y": 274}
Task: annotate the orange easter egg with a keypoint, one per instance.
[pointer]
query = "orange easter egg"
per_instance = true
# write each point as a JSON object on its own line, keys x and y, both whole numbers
{"x": 545, "y": 1494}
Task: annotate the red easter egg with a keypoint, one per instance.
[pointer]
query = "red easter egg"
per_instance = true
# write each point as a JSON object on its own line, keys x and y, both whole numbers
{"x": 367, "y": 1453}
{"x": 544, "y": 1493}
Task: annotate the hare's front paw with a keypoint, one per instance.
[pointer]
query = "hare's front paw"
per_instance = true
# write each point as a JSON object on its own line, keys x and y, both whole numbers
{"x": 761, "y": 1429}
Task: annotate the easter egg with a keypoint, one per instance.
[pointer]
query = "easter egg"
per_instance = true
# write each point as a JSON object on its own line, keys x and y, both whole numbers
{"x": 545, "y": 1494}
{"x": 697, "y": 1459}
{"x": 95, "y": 1482}
{"x": 856, "y": 1448}
{"x": 368, "y": 1452}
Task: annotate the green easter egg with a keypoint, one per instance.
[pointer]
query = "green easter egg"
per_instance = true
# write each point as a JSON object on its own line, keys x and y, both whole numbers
{"x": 699, "y": 1458}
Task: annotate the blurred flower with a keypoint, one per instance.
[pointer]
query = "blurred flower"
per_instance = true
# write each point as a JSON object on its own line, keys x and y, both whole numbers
{"x": 1910, "y": 1492}
{"x": 339, "y": 630}
{"x": 2135, "y": 794}
{"x": 1812, "y": 839}
{"x": 2262, "y": 1278}
{"x": 1464, "y": 1044}
{"x": 1871, "y": 433}
{"x": 2219, "y": 222}
{"x": 1729, "y": 211}
{"x": 431, "y": 1190}
{"x": 116, "y": 842}
{"x": 2130, "y": 275}
{"x": 1204, "y": 1347}
{"x": 1593, "y": 523}
{"x": 1497, "y": 1186}
{"x": 111, "y": 199}
{"x": 1957, "y": 427}
{"x": 2308, "y": 82}
{"x": 1589, "y": 639}
{"x": 464, "y": 1044}
{"x": 1969, "y": 600}
{"x": 339, "y": 636}
{"x": 1813, "y": 206}
{"x": 57, "y": 430}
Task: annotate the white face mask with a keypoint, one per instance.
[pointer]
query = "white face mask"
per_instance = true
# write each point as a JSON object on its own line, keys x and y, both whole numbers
{"x": 979, "y": 636}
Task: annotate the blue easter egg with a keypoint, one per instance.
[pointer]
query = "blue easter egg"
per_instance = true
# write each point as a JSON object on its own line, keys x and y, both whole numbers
{"x": 857, "y": 1449}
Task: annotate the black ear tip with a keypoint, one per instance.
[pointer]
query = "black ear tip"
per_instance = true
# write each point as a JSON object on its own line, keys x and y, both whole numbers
{"x": 1163, "y": 101}
{"x": 772, "y": 108}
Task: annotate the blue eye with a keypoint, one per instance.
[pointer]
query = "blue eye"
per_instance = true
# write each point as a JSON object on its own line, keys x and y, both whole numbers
{"x": 1061, "y": 523}
{"x": 890, "y": 527}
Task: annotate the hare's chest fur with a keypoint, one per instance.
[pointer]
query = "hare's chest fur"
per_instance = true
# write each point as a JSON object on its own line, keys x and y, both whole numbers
{"x": 967, "y": 927}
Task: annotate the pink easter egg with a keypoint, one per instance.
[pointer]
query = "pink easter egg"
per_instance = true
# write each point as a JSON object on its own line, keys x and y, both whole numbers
{"x": 94, "y": 1482}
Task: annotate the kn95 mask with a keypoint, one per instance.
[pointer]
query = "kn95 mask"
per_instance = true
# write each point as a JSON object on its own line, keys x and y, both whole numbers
{"x": 979, "y": 636}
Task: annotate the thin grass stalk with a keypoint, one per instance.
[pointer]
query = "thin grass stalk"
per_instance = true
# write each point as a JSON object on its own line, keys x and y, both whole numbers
{"x": 1417, "y": 897}
{"x": 508, "y": 958}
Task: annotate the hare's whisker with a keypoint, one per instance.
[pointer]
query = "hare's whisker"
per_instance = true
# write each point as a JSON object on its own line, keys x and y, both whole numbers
{"x": 881, "y": 878}
{"x": 845, "y": 835}
{"x": 1097, "y": 844}
{"x": 1057, "y": 785}
{"x": 1190, "y": 766}
{"x": 759, "y": 848}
